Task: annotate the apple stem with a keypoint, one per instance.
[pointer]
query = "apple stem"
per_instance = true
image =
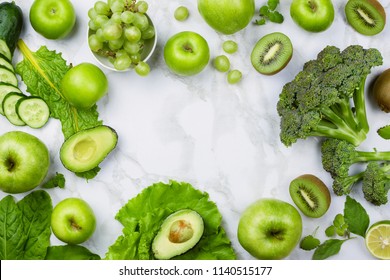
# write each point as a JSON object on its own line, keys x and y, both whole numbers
{"x": 188, "y": 48}
{"x": 75, "y": 226}
{"x": 10, "y": 164}
{"x": 312, "y": 5}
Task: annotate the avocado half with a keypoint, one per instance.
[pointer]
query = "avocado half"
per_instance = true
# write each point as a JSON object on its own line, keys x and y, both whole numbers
{"x": 86, "y": 149}
{"x": 179, "y": 232}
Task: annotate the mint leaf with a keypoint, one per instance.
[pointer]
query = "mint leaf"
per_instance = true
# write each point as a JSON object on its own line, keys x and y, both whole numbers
{"x": 36, "y": 210}
{"x": 70, "y": 252}
{"x": 356, "y": 217}
{"x": 309, "y": 243}
{"x": 327, "y": 249}
{"x": 272, "y": 4}
{"x": 12, "y": 238}
{"x": 384, "y": 132}
{"x": 57, "y": 181}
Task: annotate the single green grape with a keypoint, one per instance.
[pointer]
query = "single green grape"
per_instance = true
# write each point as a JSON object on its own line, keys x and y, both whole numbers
{"x": 112, "y": 31}
{"x": 148, "y": 33}
{"x": 142, "y": 7}
{"x": 141, "y": 21}
{"x": 122, "y": 62}
{"x": 117, "y": 5}
{"x": 94, "y": 43}
{"x": 135, "y": 58}
{"x": 92, "y": 14}
{"x": 92, "y": 25}
{"x": 131, "y": 47}
{"x": 102, "y": 8}
{"x": 181, "y": 13}
{"x": 127, "y": 17}
{"x": 222, "y": 63}
{"x": 99, "y": 35}
{"x": 234, "y": 76}
{"x": 132, "y": 33}
{"x": 142, "y": 69}
{"x": 230, "y": 46}
{"x": 116, "y": 44}
{"x": 309, "y": 243}
{"x": 116, "y": 18}
{"x": 101, "y": 20}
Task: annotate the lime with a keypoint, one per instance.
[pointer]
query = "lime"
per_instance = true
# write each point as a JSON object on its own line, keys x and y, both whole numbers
{"x": 378, "y": 240}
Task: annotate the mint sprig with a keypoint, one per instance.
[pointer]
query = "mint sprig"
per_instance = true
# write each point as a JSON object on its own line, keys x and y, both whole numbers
{"x": 268, "y": 13}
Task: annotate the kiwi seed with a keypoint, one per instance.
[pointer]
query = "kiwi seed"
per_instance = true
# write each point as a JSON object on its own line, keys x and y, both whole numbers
{"x": 271, "y": 53}
{"x": 368, "y": 17}
{"x": 310, "y": 195}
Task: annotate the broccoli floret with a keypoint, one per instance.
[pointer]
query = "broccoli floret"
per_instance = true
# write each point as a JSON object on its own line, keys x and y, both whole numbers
{"x": 342, "y": 185}
{"x": 327, "y": 97}
{"x": 376, "y": 183}
{"x": 339, "y": 155}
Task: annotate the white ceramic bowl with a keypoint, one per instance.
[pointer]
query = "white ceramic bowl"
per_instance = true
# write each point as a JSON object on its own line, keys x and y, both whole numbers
{"x": 147, "y": 52}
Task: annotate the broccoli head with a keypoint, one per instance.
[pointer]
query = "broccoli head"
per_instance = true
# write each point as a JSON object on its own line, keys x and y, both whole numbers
{"x": 327, "y": 97}
{"x": 339, "y": 155}
{"x": 376, "y": 183}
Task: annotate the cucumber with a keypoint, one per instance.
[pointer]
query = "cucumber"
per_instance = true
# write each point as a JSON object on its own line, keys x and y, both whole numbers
{"x": 11, "y": 23}
{"x": 33, "y": 111}
{"x": 4, "y": 50}
{"x": 6, "y": 63}
{"x": 4, "y": 90}
{"x": 7, "y": 76}
{"x": 9, "y": 108}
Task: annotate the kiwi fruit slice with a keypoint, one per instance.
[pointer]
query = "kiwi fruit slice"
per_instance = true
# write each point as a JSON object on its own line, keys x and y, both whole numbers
{"x": 368, "y": 17}
{"x": 310, "y": 195}
{"x": 271, "y": 53}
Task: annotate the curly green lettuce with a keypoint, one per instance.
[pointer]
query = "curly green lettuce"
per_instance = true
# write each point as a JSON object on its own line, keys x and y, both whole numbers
{"x": 143, "y": 215}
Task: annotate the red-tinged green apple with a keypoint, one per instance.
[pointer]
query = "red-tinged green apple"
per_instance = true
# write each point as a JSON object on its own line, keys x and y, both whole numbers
{"x": 83, "y": 85}
{"x": 270, "y": 229}
{"x": 73, "y": 221}
{"x": 24, "y": 162}
{"x": 227, "y": 16}
{"x": 186, "y": 53}
{"x": 312, "y": 15}
{"x": 53, "y": 19}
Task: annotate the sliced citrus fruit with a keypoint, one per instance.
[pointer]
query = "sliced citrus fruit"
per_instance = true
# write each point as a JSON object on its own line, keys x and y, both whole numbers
{"x": 378, "y": 240}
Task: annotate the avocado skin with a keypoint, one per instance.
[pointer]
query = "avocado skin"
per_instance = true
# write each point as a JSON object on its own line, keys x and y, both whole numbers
{"x": 86, "y": 144}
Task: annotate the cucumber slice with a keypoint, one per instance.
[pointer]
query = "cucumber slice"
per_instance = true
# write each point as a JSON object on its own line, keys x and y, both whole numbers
{"x": 4, "y": 50}
{"x": 4, "y": 90}
{"x": 8, "y": 76}
{"x": 4, "y": 62}
{"x": 33, "y": 111}
{"x": 9, "y": 108}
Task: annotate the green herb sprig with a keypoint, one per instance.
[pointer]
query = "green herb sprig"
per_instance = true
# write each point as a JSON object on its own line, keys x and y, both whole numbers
{"x": 268, "y": 12}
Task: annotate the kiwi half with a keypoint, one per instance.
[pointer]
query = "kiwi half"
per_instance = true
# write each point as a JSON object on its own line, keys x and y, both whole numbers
{"x": 271, "y": 53}
{"x": 310, "y": 195}
{"x": 368, "y": 17}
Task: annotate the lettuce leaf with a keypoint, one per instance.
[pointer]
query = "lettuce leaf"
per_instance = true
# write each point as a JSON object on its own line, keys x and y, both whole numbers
{"x": 25, "y": 226}
{"x": 143, "y": 215}
{"x": 42, "y": 72}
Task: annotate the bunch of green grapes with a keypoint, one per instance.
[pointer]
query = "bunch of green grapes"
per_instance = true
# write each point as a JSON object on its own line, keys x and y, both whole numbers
{"x": 119, "y": 31}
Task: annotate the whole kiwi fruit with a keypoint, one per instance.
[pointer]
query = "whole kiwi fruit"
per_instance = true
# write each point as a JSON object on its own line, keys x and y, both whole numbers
{"x": 381, "y": 91}
{"x": 367, "y": 17}
{"x": 271, "y": 53}
{"x": 310, "y": 195}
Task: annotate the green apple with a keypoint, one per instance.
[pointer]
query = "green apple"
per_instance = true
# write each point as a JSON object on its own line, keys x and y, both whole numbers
{"x": 270, "y": 229}
{"x": 53, "y": 19}
{"x": 83, "y": 85}
{"x": 227, "y": 16}
{"x": 312, "y": 15}
{"x": 73, "y": 221}
{"x": 186, "y": 53}
{"x": 24, "y": 162}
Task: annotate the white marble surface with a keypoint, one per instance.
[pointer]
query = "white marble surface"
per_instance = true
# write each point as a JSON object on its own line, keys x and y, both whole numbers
{"x": 223, "y": 139}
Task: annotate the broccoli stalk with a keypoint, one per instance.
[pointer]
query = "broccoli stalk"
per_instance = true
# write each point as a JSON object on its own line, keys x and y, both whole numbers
{"x": 376, "y": 183}
{"x": 339, "y": 155}
{"x": 343, "y": 185}
{"x": 327, "y": 98}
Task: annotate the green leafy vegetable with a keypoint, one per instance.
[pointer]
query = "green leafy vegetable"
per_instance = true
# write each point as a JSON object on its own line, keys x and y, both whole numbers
{"x": 57, "y": 181}
{"x": 70, "y": 252}
{"x": 384, "y": 132}
{"x": 42, "y": 72}
{"x": 327, "y": 249}
{"x": 268, "y": 12}
{"x": 25, "y": 226}
{"x": 143, "y": 215}
{"x": 356, "y": 217}
{"x": 309, "y": 243}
